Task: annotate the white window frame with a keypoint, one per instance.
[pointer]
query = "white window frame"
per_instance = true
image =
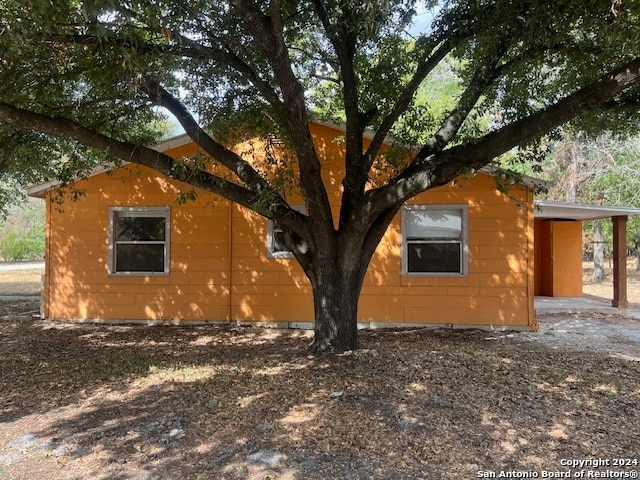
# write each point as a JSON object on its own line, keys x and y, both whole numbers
{"x": 164, "y": 212}
{"x": 464, "y": 240}
{"x": 273, "y": 228}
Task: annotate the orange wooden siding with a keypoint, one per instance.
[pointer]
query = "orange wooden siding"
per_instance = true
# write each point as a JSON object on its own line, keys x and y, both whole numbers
{"x": 220, "y": 269}
{"x": 498, "y": 287}
{"x": 559, "y": 253}
{"x": 77, "y": 283}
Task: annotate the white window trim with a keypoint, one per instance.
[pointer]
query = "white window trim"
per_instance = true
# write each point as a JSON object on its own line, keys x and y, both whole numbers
{"x": 464, "y": 251}
{"x": 271, "y": 228}
{"x": 148, "y": 211}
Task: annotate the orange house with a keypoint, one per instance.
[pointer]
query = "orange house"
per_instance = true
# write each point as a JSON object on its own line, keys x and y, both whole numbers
{"x": 127, "y": 251}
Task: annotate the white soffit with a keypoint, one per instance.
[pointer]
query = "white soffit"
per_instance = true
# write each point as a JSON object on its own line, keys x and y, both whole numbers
{"x": 573, "y": 211}
{"x": 173, "y": 142}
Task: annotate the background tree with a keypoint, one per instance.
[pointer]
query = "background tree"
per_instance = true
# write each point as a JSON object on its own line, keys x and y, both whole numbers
{"x": 84, "y": 80}
{"x": 601, "y": 170}
{"x": 620, "y": 185}
{"x": 576, "y": 165}
{"x": 22, "y": 232}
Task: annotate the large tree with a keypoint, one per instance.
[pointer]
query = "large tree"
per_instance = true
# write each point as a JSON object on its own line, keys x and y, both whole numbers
{"x": 84, "y": 78}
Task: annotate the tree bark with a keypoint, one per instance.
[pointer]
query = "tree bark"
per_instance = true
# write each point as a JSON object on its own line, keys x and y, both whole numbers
{"x": 336, "y": 281}
{"x": 335, "y": 300}
{"x": 636, "y": 250}
{"x": 599, "y": 274}
{"x": 337, "y": 275}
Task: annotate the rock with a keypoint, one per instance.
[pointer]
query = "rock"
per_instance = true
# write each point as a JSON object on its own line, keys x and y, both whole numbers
{"x": 60, "y": 451}
{"x": 44, "y": 447}
{"x": 26, "y": 441}
{"x": 363, "y": 352}
{"x": 310, "y": 463}
{"x": 265, "y": 457}
{"x": 10, "y": 458}
{"x": 167, "y": 429}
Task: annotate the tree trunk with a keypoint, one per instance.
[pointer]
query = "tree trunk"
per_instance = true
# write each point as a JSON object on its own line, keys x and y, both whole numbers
{"x": 636, "y": 251}
{"x": 336, "y": 273}
{"x": 571, "y": 192}
{"x": 599, "y": 274}
{"x": 335, "y": 300}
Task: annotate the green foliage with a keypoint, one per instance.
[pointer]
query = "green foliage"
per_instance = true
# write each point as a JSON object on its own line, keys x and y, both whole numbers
{"x": 22, "y": 233}
{"x": 596, "y": 170}
{"x": 88, "y": 61}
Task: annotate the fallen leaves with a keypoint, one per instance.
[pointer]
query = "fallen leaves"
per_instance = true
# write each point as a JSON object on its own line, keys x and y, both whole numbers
{"x": 223, "y": 402}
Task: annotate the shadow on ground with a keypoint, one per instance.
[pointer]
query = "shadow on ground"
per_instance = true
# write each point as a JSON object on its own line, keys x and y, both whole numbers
{"x": 220, "y": 402}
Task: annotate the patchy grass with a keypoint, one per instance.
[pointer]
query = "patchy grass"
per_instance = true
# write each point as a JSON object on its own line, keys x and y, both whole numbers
{"x": 604, "y": 290}
{"x": 21, "y": 282}
{"x": 220, "y": 402}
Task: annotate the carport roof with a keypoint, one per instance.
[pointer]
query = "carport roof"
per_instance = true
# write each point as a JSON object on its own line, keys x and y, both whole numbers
{"x": 573, "y": 211}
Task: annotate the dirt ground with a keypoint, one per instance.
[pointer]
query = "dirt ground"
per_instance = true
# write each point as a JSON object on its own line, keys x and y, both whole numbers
{"x": 220, "y": 402}
{"x": 21, "y": 282}
{"x": 209, "y": 402}
{"x": 604, "y": 290}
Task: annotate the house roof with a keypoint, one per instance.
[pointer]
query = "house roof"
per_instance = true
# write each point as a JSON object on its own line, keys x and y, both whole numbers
{"x": 574, "y": 211}
{"x": 39, "y": 190}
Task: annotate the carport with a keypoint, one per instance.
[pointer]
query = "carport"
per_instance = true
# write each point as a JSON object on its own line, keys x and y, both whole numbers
{"x": 558, "y": 248}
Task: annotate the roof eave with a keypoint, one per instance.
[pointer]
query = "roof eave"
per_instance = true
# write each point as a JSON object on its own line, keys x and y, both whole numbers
{"x": 40, "y": 190}
{"x": 573, "y": 211}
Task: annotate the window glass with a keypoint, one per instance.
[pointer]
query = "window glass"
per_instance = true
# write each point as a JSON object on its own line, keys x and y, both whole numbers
{"x": 139, "y": 228}
{"x": 139, "y": 258}
{"x": 139, "y": 239}
{"x": 434, "y": 224}
{"x": 434, "y": 241}
{"x": 433, "y": 257}
{"x": 276, "y": 248}
{"x": 278, "y": 244}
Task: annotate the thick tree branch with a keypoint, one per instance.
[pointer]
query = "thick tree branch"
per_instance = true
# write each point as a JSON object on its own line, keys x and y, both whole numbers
{"x": 483, "y": 77}
{"x": 440, "y": 168}
{"x": 625, "y": 104}
{"x": 236, "y": 164}
{"x": 160, "y": 162}
{"x": 344, "y": 43}
{"x": 184, "y": 47}
{"x": 235, "y": 63}
{"x": 269, "y": 34}
{"x": 404, "y": 99}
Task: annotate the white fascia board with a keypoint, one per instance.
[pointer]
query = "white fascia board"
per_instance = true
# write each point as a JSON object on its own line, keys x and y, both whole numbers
{"x": 39, "y": 190}
{"x": 574, "y": 211}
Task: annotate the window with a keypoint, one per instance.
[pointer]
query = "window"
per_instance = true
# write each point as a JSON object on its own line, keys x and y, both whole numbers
{"x": 434, "y": 240}
{"x": 139, "y": 240}
{"x": 276, "y": 247}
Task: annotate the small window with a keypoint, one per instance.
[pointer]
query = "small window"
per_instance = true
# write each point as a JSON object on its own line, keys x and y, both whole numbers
{"x": 276, "y": 248}
{"x": 434, "y": 240}
{"x": 139, "y": 240}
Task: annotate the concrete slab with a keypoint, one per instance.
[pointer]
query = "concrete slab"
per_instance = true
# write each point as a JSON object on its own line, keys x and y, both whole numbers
{"x": 573, "y": 305}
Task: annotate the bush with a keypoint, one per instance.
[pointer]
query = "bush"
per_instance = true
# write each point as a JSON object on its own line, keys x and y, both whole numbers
{"x": 20, "y": 246}
{"x": 22, "y": 235}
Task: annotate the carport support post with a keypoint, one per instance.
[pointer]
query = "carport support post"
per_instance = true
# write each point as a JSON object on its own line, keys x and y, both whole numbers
{"x": 619, "y": 262}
